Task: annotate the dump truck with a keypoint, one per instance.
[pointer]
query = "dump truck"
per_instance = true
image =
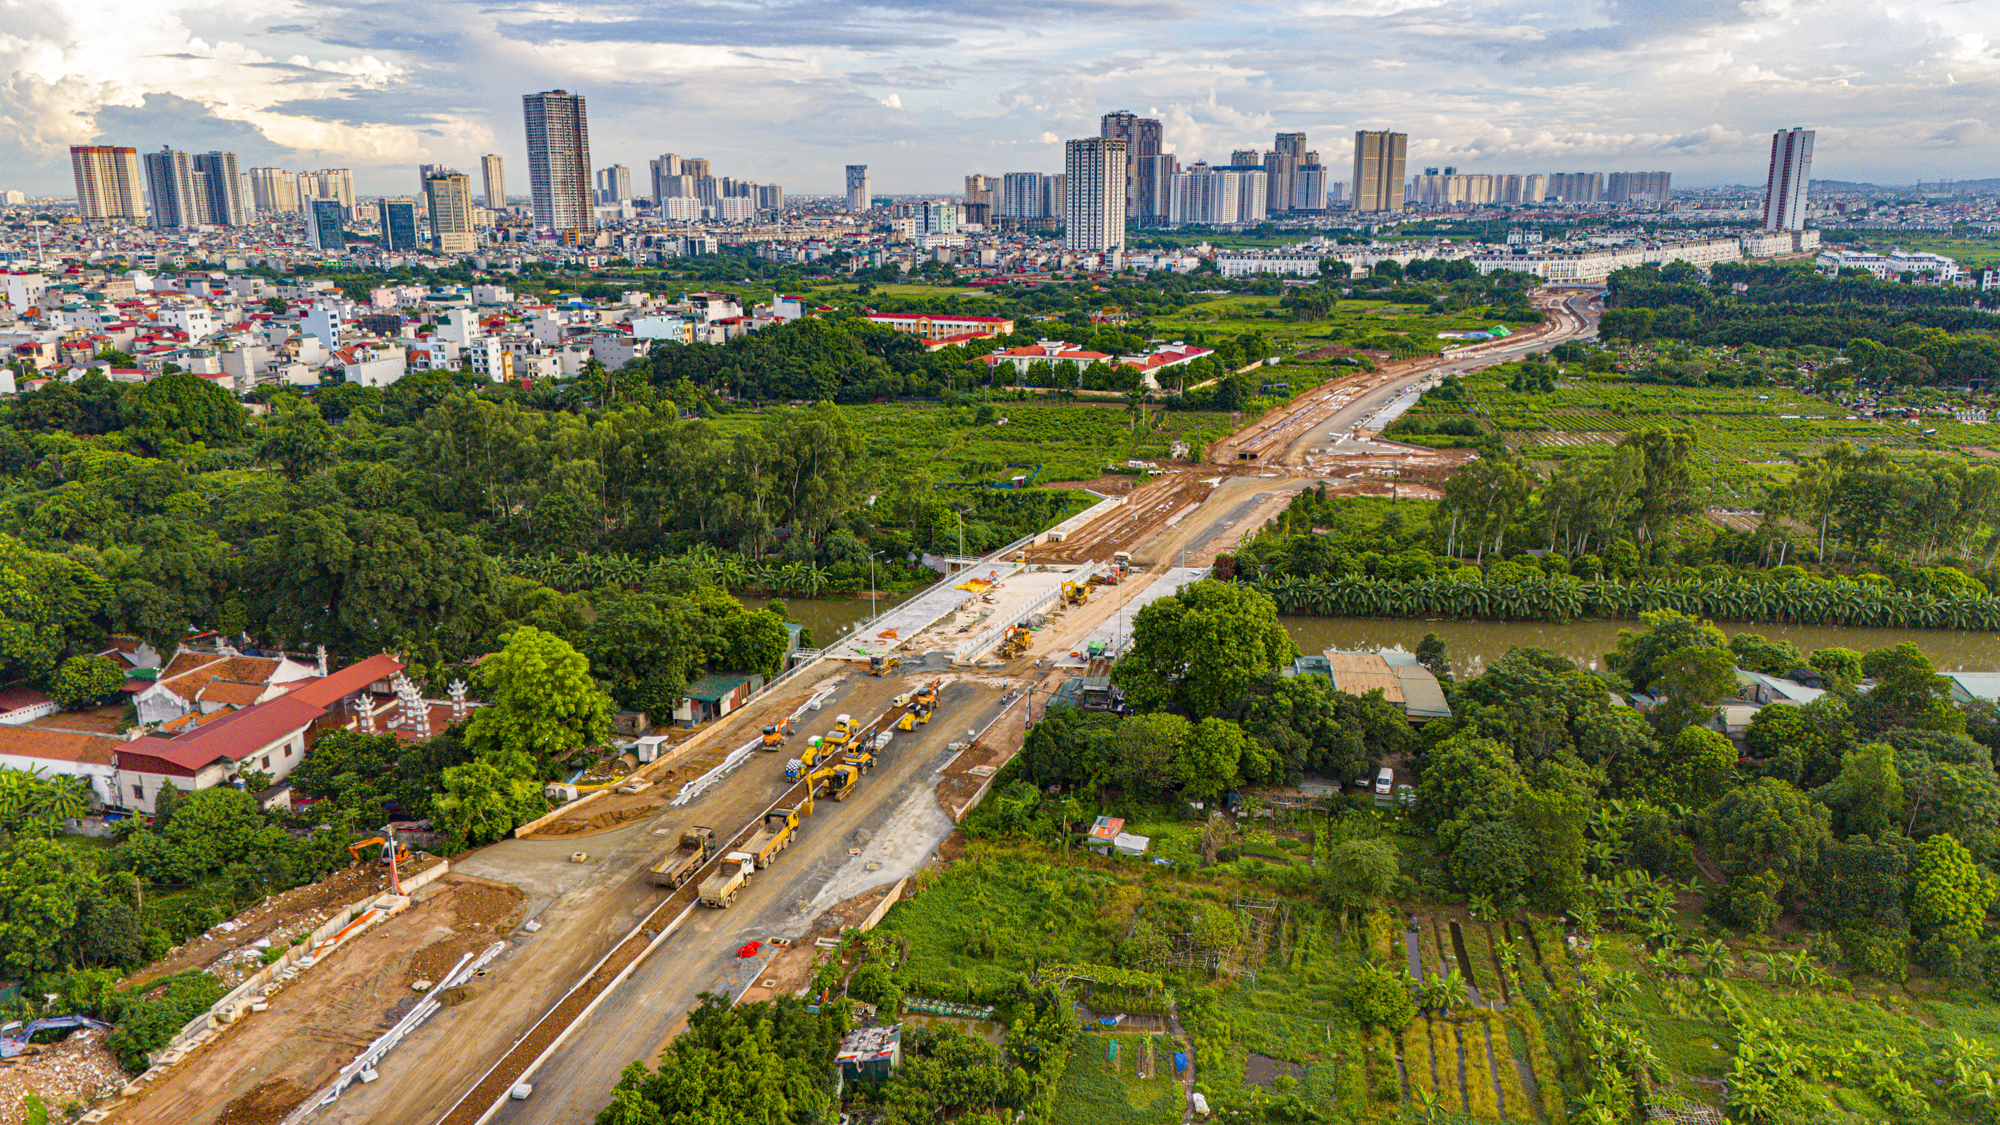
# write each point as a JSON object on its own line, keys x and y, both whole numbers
{"x": 879, "y": 665}
{"x": 780, "y": 825}
{"x": 773, "y": 738}
{"x": 679, "y": 865}
{"x": 720, "y": 889}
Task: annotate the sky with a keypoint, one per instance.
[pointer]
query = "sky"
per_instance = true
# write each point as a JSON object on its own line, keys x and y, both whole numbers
{"x": 924, "y": 93}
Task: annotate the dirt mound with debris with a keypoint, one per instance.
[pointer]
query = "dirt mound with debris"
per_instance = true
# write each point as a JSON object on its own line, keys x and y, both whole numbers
{"x": 482, "y": 912}
{"x": 610, "y": 812}
{"x": 80, "y": 1069}
{"x": 230, "y": 949}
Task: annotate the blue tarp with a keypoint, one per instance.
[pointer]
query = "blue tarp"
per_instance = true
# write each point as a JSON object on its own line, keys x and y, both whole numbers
{"x": 1180, "y": 1061}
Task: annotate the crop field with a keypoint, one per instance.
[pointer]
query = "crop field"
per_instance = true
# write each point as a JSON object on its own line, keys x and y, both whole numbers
{"x": 1073, "y": 441}
{"x": 1748, "y": 438}
{"x": 1103, "y": 1083}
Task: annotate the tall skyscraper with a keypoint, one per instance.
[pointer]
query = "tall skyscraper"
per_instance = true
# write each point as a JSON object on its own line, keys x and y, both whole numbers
{"x": 453, "y": 230}
{"x": 1095, "y": 217}
{"x": 109, "y": 182}
{"x": 171, "y": 200}
{"x": 495, "y": 178}
{"x": 274, "y": 191}
{"x": 221, "y": 189}
{"x": 558, "y": 159}
{"x": 1577, "y": 187}
{"x": 858, "y": 197}
{"x": 398, "y": 218}
{"x": 980, "y": 198}
{"x": 324, "y": 229}
{"x": 614, "y": 184}
{"x": 1144, "y": 194}
{"x": 1282, "y": 164}
{"x": 1378, "y": 170}
{"x": 1786, "y": 183}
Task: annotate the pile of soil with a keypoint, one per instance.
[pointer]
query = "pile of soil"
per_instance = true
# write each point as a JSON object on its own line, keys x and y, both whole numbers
{"x": 482, "y": 912}
{"x": 266, "y": 1104}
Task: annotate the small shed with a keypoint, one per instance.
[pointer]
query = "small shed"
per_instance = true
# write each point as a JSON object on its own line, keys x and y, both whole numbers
{"x": 1106, "y": 829}
{"x": 715, "y": 695}
{"x": 870, "y": 1054}
{"x": 1126, "y": 843}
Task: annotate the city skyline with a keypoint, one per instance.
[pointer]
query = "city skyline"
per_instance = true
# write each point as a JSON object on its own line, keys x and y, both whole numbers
{"x": 1486, "y": 86}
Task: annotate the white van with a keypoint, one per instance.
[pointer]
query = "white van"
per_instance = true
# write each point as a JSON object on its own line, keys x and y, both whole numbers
{"x": 1385, "y": 781}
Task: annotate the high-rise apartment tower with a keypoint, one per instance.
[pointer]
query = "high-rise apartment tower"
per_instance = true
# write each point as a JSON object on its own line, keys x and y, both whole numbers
{"x": 171, "y": 200}
{"x": 1785, "y": 185}
{"x": 1095, "y": 213}
{"x": 109, "y": 182}
{"x": 1378, "y": 170}
{"x": 1146, "y": 194}
{"x": 495, "y": 177}
{"x": 558, "y": 159}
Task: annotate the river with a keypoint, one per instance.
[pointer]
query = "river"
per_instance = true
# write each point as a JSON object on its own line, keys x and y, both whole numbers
{"x": 1473, "y": 644}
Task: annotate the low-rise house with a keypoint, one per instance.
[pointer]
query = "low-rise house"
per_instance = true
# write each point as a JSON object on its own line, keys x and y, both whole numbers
{"x": 62, "y": 753}
{"x": 716, "y": 695}
{"x": 1397, "y": 675}
{"x": 21, "y": 705}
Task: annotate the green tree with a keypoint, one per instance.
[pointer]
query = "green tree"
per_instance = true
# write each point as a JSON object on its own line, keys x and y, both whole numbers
{"x": 1380, "y": 998}
{"x": 41, "y": 885}
{"x": 1359, "y": 874}
{"x": 1695, "y": 678}
{"x": 1667, "y": 495}
{"x": 1204, "y": 647}
{"x": 183, "y": 407}
{"x": 1769, "y": 826}
{"x": 541, "y": 702}
{"x": 1641, "y": 651}
{"x": 1841, "y": 666}
{"x": 1147, "y": 750}
{"x": 484, "y": 799}
{"x": 1867, "y": 797}
{"x": 1949, "y": 894}
{"x": 298, "y": 440}
{"x": 1908, "y": 693}
{"x": 1493, "y": 858}
{"x": 86, "y": 679}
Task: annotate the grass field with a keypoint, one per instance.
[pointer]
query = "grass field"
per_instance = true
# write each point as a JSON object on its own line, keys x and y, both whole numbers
{"x": 1974, "y": 252}
{"x": 1748, "y": 437}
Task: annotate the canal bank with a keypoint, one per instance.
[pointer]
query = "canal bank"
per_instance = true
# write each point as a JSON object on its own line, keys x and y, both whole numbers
{"x": 1474, "y": 644}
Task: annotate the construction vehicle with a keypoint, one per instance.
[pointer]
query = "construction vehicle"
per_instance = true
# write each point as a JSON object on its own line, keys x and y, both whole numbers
{"x": 1017, "y": 642}
{"x": 775, "y": 836}
{"x": 1122, "y": 561}
{"x": 806, "y": 758}
{"x": 925, "y": 712}
{"x": 879, "y": 665}
{"x": 679, "y": 865}
{"x": 908, "y": 721}
{"x": 845, "y": 724}
{"x": 720, "y": 889}
{"x": 391, "y": 850}
{"x": 773, "y": 738}
{"x": 1075, "y": 593}
{"x": 927, "y": 695}
{"x": 839, "y": 779}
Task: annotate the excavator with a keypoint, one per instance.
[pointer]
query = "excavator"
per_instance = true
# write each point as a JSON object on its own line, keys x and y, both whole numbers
{"x": 401, "y": 852}
{"x": 927, "y": 695}
{"x": 838, "y": 777}
{"x": 773, "y": 738}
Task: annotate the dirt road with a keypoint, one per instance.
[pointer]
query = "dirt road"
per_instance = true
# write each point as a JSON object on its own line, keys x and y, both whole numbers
{"x": 586, "y": 908}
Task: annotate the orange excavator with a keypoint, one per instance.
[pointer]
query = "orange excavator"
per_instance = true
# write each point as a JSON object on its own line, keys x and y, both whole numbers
{"x": 394, "y": 853}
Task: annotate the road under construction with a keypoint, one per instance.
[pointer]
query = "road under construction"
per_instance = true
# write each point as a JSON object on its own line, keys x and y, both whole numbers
{"x": 610, "y": 963}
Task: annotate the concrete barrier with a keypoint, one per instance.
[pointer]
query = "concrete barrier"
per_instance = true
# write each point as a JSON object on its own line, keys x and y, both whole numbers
{"x": 1079, "y": 521}
{"x": 882, "y": 908}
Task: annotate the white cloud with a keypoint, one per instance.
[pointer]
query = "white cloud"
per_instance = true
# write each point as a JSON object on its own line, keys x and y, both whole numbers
{"x": 786, "y": 92}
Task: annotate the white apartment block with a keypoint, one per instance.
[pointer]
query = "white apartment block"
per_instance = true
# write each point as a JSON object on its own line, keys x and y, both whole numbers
{"x": 1094, "y": 168}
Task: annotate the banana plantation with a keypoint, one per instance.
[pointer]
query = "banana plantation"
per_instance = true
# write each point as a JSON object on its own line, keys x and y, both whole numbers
{"x": 1556, "y": 598}
{"x": 702, "y": 564}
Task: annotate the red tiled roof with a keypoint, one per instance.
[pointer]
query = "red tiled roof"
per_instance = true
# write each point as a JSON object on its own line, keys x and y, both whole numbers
{"x": 57, "y": 745}
{"x": 234, "y": 736}
{"x": 15, "y": 698}
{"x": 326, "y": 691}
